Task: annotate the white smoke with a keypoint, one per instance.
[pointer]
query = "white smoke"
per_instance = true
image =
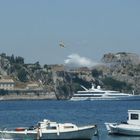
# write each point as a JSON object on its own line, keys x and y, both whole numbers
{"x": 75, "y": 60}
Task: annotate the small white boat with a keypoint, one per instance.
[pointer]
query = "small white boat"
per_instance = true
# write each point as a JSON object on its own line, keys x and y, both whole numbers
{"x": 51, "y": 130}
{"x": 130, "y": 128}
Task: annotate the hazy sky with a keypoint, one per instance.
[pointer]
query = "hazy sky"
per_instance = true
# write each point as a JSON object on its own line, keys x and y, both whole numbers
{"x": 33, "y": 29}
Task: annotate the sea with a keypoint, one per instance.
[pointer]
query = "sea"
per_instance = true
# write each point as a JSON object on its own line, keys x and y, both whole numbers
{"x": 29, "y": 112}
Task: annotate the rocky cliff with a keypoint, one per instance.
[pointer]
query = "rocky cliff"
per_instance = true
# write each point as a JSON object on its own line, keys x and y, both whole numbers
{"x": 120, "y": 71}
{"x": 124, "y": 67}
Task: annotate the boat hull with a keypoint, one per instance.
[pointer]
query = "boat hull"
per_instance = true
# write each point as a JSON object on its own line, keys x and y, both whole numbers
{"x": 123, "y": 129}
{"x": 81, "y": 133}
{"x": 90, "y": 98}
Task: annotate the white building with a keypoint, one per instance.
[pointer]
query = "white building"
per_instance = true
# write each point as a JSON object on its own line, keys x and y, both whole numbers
{"x": 7, "y": 84}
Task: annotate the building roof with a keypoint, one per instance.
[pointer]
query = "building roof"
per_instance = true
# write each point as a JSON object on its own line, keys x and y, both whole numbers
{"x": 6, "y": 81}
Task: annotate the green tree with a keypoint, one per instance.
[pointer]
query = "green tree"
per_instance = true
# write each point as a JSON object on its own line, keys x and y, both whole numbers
{"x": 19, "y": 60}
{"x": 22, "y": 75}
{"x": 12, "y": 59}
{"x": 96, "y": 73}
{"x": 115, "y": 84}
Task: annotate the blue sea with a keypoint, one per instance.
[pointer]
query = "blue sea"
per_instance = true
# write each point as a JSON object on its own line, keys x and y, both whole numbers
{"x": 29, "y": 112}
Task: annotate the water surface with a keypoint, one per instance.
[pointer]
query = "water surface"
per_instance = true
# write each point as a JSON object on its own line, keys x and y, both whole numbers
{"x": 29, "y": 112}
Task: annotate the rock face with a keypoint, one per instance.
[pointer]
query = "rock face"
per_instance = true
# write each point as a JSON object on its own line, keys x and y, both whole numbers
{"x": 118, "y": 71}
{"x": 124, "y": 67}
{"x": 121, "y": 58}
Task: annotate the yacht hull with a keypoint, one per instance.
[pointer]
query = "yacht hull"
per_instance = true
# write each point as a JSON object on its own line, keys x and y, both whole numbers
{"x": 125, "y": 98}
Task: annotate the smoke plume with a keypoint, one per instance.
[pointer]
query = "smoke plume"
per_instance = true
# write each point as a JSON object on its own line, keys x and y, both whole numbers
{"x": 75, "y": 60}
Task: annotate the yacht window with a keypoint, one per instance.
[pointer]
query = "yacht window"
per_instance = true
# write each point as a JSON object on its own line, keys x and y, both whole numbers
{"x": 134, "y": 117}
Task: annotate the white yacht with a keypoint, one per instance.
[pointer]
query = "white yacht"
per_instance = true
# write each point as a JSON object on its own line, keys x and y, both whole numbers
{"x": 130, "y": 128}
{"x": 100, "y": 94}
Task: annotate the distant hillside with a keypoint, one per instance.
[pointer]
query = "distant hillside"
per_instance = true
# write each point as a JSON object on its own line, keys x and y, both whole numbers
{"x": 124, "y": 67}
{"x": 120, "y": 71}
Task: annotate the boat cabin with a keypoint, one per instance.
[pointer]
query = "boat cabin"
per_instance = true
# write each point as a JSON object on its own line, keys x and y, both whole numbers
{"x": 133, "y": 117}
{"x": 49, "y": 125}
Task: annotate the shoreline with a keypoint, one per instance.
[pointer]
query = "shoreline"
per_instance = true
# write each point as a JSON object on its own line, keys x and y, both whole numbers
{"x": 28, "y": 97}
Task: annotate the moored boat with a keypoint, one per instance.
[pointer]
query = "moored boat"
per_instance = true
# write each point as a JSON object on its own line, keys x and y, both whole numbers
{"x": 100, "y": 94}
{"x": 47, "y": 129}
{"x": 130, "y": 128}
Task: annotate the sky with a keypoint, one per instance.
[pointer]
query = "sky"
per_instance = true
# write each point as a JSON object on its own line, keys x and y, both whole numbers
{"x": 88, "y": 29}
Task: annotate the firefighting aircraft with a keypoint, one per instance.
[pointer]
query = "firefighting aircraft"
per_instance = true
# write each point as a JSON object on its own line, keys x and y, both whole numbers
{"x": 61, "y": 44}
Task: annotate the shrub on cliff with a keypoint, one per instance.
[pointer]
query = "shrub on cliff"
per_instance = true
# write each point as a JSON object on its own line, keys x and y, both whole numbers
{"x": 114, "y": 84}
